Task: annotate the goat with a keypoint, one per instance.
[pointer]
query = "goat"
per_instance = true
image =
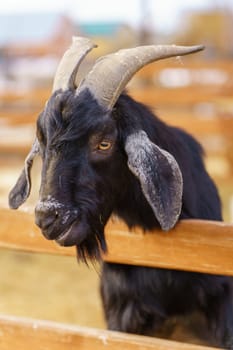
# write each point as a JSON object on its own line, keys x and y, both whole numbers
{"x": 104, "y": 153}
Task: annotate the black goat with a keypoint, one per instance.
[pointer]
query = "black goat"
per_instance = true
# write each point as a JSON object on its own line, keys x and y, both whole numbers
{"x": 104, "y": 153}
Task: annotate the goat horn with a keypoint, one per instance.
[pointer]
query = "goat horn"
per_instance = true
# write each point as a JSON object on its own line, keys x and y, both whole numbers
{"x": 112, "y": 72}
{"x": 70, "y": 62}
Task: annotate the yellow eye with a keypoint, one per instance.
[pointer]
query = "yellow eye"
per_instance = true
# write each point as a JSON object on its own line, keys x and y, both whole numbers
{"x": 104, "y": 145}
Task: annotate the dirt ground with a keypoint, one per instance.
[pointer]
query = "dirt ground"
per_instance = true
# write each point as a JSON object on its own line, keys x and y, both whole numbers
{"x": 51, "y": 287}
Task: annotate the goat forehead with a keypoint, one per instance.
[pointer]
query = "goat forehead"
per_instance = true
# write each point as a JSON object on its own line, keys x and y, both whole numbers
{"x": 73, "y": 113}
{"x": 86, "y": 128}
{"x": 68, "y": 118}
{"x": 55, "y": 109}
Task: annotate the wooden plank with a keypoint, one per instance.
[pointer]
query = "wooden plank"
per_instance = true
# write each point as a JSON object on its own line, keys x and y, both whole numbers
{"x": 157, "y": 96}
{"x": 17, "y": 140}
{"x": 21, "y": 334}
{"x": 33, "y": 95}
{"x": 15, "y": 148}
{"x": 193, "y": 245}
{"x": 18, "y": 117}
{"x": 148, "y": 94}
{"x": 201, "y": 126}
{"x": 186, "y": 63}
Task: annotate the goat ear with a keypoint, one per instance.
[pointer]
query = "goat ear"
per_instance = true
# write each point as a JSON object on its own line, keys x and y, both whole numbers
{"x": 159, "y": 175}
{"x": 22, "y": 188}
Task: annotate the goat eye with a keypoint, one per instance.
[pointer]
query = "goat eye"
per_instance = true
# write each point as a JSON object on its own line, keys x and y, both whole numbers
{"x": 104, "y": 145}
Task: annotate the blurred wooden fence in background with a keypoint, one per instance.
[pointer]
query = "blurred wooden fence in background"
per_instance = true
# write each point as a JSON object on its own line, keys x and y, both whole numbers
{"x": 196, "y": 96}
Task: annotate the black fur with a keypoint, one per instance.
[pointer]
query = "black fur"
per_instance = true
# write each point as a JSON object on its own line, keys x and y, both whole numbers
{"x": 95, "y": 185}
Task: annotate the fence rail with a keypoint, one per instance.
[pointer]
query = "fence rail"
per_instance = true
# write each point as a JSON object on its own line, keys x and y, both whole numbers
{"x": 194, "y": 245}
{"x": 181, "y": 106}
{"x": 20, "y": 333}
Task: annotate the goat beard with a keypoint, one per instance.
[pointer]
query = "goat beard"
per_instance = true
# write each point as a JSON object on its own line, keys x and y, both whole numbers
{"x": 92, "y": 248}
{"x": 89, "y": 240}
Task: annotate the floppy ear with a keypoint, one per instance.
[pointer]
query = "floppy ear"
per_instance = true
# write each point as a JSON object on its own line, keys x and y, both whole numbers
{"x": 22, "y": 188}
{"x": 159, "y": 175}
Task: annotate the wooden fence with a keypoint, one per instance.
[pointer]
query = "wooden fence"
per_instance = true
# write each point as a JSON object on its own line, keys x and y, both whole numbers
{"x": 194, "y": 245}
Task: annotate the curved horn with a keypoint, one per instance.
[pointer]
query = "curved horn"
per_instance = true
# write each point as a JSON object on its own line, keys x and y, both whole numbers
{"x": 70, "y": 62}
{"x": 112, "y": 72}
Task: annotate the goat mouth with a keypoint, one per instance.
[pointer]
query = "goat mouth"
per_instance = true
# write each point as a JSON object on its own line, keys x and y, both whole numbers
{"x": 63, "y": 236}
{"x": 89, "y": 244}
{"x": 68, "y": 237}
{"x": 74, "y": 235}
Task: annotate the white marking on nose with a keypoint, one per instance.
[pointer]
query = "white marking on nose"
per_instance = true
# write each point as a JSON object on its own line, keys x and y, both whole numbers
{"x": 49, "y": 204}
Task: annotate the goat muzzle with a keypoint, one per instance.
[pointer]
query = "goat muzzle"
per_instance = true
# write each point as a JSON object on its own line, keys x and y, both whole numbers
{"x": 54, "y": 218}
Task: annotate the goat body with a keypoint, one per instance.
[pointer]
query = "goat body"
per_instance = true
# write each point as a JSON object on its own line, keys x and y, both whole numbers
{"x": 140, "y": 299}
{"x": 118, "y": 158}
